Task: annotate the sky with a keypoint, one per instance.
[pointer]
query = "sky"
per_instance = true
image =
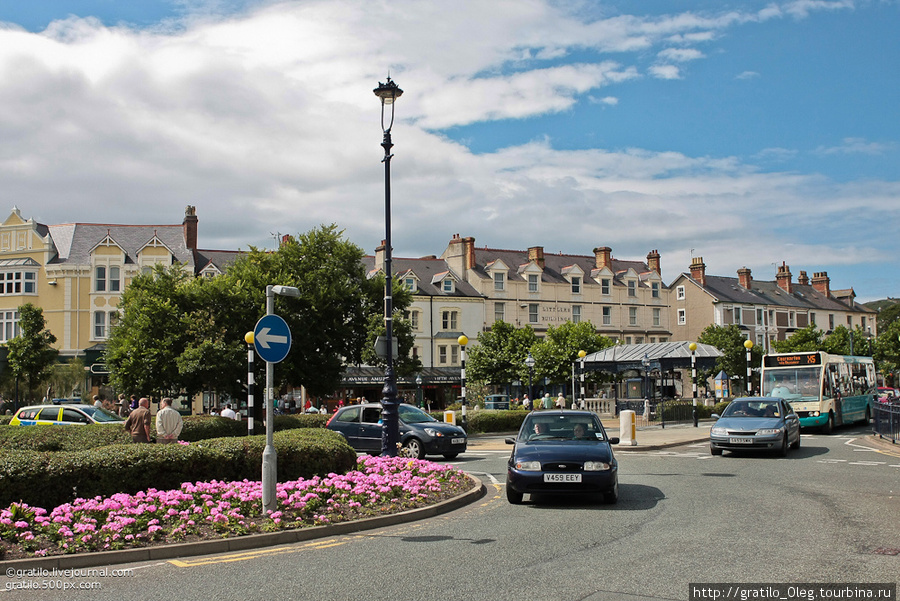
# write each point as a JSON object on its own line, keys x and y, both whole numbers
{"x": 749, "y": 133}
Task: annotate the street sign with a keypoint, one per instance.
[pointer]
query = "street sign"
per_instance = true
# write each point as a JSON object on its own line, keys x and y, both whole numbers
{"x": 272, "y": 338}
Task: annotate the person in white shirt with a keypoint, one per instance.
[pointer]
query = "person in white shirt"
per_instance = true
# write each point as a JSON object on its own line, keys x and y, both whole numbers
{"x": 168, "y": 423}
{"x": 228, "y": 412}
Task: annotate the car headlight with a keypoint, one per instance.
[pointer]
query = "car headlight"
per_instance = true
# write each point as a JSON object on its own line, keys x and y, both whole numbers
{"x": 596, "y": 466}
{"x": 433, "y": 432}
{"x": 815, "y": 414}
{"x": 769, "y": 431}
{"x": 718, "y": 431}
{"x": 528, "y": 466}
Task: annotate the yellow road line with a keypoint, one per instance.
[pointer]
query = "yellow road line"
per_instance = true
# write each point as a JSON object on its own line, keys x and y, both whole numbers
{"x": 244, "y": 556}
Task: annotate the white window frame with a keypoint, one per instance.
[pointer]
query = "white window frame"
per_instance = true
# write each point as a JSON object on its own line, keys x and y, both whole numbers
{"x": 499, "y": 311}
{"x": 533, "y": 313}
{"x": 679, "y": 293}
{"x": 18, "y": 282}
{"x": 632, "y": 288}
{"x": 533, "y": 283}
{"x": 442, "y": 354}
{"x": 656, "y": 316}
{"x": 447, "y": 285}
{"x": 576, "y": 313}
{"x": 682, "y": 317}
{"x": 576, "y": 284}
{"x": 103, "y": 323}
{"x": 449, "y": 320}
{"x": 738, "y": 316}
{"x": 654, "y": 289}
{"x": 605, "y": 286}
{"x": 632, "y": 316}
{"x": 9, "y": 324}
{"x": 499, "y": 281}
{"x": 606, "y": 315}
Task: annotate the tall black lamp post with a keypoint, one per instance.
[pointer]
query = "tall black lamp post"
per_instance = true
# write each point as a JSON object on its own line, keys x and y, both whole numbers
{"x": 529, "y": 362}
{"x": 390, "y": 433}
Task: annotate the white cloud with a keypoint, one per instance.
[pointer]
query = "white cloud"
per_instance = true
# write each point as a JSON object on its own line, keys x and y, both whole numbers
{"x": 665, "y": 72}
{"x": 856, "y": 146}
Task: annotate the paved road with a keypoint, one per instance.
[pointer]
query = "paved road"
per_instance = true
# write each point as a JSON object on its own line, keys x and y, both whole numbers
{"x": 826, "y": 513}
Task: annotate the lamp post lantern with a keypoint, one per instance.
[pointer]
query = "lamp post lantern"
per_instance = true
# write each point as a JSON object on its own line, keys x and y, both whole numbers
{"x": 390, "y": 434}
{"x": 419, "y": 400}
{"x": 529, "y": 362}
{"x": 693, "y": 347}
{"x": 748, "y": 344}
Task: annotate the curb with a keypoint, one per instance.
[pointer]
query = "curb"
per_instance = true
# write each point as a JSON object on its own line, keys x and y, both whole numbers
{"x": 243, "y": 543}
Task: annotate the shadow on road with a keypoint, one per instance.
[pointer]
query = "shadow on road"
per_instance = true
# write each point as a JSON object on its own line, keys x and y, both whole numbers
{"x": 632, "y": 497}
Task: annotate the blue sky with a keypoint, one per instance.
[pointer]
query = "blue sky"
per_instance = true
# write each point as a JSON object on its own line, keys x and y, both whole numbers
{"x": 750, "y": 133}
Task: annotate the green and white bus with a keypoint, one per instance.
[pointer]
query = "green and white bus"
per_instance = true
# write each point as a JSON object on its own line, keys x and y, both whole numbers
{"x": 825, "y": 390}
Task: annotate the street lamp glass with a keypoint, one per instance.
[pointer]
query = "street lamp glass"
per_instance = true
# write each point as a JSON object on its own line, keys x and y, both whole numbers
{"x": 286, "y": 290}
{"x": 529, "y": 361}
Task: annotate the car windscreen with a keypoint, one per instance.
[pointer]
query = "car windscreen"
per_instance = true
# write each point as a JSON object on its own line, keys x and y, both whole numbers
{"x": 561, "y": 427}
{"x": 99, "y": 415}
{"x": 761, "y": 408}
{"x": 413, "y": 415}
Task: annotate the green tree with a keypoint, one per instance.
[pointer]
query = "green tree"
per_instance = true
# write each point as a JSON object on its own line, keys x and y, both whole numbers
{"x": 887, "y": 352}
{"x": 804, "y": 340}
{"x": 142, "y": 351}
{"x": 555, "y": 354}
{"x": 730, "y": 340}
{"x": 499, "y": 356}
{"x": 888, "y": 315}
{"x": 31, "y": 356}
{"x": 67, "y": 379}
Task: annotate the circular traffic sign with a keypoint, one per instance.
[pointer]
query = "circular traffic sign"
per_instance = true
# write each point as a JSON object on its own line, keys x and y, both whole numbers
{"x": 272, "y": 338}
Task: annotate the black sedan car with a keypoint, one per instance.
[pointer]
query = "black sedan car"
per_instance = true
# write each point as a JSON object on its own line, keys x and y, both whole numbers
{"x": 420, "y": 434}
{"x": 562, "y": 452}
{"x": 756, "y": 423}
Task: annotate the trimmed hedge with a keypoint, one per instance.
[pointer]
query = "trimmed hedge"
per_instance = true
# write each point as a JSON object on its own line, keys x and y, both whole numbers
{"x": 196, "y": 428}
{"x": 47, "y": 479}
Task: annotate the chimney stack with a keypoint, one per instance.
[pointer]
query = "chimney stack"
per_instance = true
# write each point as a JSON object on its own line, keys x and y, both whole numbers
{"x": 744, "y": 277}
{"x": 469, "y": 252}
{"x": 653, "y": 261}
{"x": 379, "y": 255}
{"x": 783, "y": 277}
{"x": 190, "y": 227}
{"x": 603, "y": 257}
{"x": 803, "y": 279}
{"x": 822, "y": 283}
{"x": 698, "y": 270}
{"x": 536, "y": 254}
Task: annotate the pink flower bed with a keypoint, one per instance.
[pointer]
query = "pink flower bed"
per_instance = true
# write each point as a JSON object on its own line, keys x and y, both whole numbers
{"x": 206, "y": 509}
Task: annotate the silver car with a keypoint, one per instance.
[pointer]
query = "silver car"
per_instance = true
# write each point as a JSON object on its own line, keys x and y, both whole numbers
{"x": 755, "y": 423}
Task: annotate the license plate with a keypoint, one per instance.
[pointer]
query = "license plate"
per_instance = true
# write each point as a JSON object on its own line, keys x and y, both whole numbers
{"x": 562, "y": 477}
{"x": 458, "y": 441}
{"x": 741, "y": 441}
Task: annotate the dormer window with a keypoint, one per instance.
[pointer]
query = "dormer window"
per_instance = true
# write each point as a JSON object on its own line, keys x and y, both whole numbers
{"x": 576, "y": 284}
{"x": 499, "y": 280}
{"x": 533, "y": 280}
{"x": 410, "y": 284}
{"x": 447, "y": 285}
{"x": 654, "y": 289}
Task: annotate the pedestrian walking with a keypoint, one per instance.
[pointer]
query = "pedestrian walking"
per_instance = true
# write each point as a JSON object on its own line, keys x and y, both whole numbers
{"x": 560, "y": 401}
{"x": 526, "y": 403}
{"x": 168, "y": 423}
{"x": 138, "y": 422}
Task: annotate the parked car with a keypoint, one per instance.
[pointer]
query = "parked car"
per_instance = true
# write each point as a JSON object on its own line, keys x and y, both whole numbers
{"x": 420, "y": 434}
{"x": 755, "y": 423}
{"x": 887, "y": 395}
{"x": 64, "y": 415}
{"x": 562, "y": 452}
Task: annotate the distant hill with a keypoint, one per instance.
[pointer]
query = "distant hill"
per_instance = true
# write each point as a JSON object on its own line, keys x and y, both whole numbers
{"x": 888, "y": 311}
{"x": 878, "y": 305}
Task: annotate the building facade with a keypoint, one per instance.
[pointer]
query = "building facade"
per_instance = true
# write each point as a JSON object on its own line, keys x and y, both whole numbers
{"x": 765, "y": 310}
{"x": 625, "y": 300}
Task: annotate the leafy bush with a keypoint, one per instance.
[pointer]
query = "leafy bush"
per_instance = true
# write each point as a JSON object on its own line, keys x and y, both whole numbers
{"x": 61, "y": 438}
{"x": 48, "y": 479}
{"x": 490, "y": 420}
{"x": 720, "y": 407}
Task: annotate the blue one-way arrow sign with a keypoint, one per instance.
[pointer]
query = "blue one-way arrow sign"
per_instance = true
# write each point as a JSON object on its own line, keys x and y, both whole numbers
{"x": 272, "y": 338}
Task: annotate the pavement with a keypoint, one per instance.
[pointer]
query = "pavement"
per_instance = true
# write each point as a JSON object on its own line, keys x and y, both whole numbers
{"x": 649, "y": 438}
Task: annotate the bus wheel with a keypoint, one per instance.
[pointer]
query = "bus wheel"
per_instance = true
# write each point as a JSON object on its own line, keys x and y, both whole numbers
{"x": 828, "y": 428}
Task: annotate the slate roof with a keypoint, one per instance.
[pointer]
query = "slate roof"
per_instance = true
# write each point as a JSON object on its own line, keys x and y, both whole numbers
{"x": 554, "y": 266}
{"x": 221, "y": 259}
{"x": 74, "y": 241}
{"x": 664, "y": 355}
{"x": 729, "y": 290}
{"x": 425, "y": 269}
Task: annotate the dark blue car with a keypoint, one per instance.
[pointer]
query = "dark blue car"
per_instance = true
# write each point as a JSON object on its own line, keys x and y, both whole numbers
{"x": 420, "y": 434}
{"x": 562, "y": 452}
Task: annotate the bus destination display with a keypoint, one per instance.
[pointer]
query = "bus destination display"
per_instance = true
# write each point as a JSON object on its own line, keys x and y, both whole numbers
{"x": 792, "y": 360}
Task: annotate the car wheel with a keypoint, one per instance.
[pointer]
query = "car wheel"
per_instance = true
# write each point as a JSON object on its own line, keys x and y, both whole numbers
{"x": 782, "y": 452}
{"x": 714, "y": 451}
{"x": 611, "y": 496}
{"x": 451, "y": 455}
{"x": 512, "y": 495}
{"x": 828, "y": 428}
{"x": 796, "y": 445}
{"x": 413, "y": 448}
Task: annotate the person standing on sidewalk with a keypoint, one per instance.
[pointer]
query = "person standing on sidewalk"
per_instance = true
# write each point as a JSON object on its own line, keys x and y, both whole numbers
{"x": 168, "y": 423}
{"x": 138, "y": 422}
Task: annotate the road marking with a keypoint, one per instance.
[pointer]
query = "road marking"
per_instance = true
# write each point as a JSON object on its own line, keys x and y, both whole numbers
{"x": 319, "y": 544}
{"x": 867, "y": 463}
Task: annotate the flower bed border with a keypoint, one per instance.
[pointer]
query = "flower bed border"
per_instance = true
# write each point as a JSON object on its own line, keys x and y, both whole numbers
{"x": 249, "y": 541}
